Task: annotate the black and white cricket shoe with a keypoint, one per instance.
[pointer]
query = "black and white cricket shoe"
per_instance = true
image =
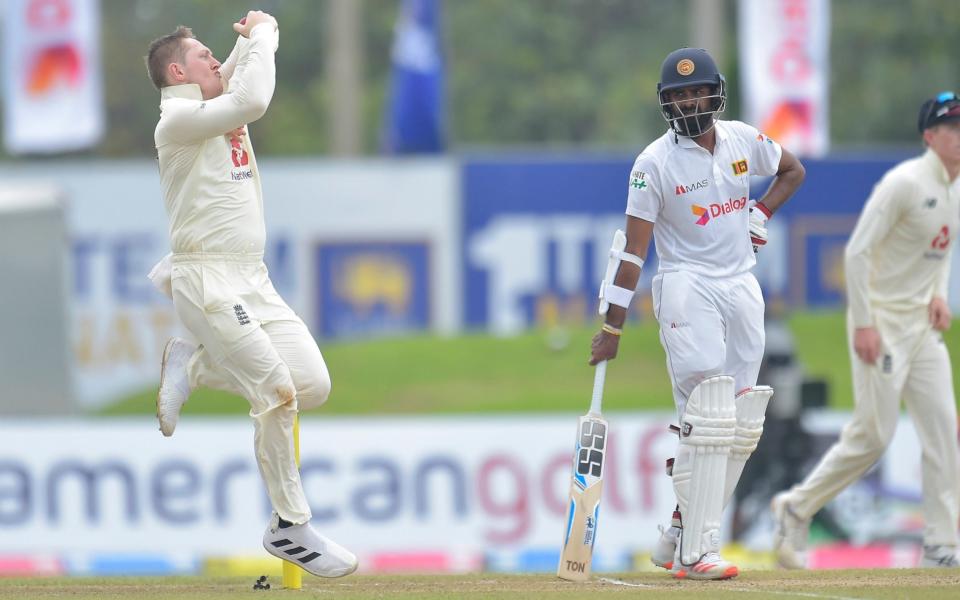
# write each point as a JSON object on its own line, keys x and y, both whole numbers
{"x": 939, "y": 556}
{"x": 304, "y": 547}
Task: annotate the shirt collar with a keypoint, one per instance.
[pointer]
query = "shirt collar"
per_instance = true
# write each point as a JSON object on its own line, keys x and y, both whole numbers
{"x": 936, "y": 165}
{"x": 190, "y": 91}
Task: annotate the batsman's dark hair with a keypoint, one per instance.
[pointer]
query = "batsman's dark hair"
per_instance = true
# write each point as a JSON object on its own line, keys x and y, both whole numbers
{"x": 165, "y": 50}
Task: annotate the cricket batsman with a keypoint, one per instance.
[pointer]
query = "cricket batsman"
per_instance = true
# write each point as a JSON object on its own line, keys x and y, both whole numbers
{"x": 689, "y": 190}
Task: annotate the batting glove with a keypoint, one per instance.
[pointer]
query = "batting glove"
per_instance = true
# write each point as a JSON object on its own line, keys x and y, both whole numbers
{"x": 758, "y": 225}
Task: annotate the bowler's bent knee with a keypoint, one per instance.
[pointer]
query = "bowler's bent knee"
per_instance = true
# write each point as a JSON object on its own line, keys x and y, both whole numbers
{"x": 314, "y": 390}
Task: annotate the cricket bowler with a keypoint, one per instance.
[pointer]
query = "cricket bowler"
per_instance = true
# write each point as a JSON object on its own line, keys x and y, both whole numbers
{"x": 250, "y": 342}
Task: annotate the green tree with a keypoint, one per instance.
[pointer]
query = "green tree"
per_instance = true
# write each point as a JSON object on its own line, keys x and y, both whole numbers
{"x": 535, "y": 73}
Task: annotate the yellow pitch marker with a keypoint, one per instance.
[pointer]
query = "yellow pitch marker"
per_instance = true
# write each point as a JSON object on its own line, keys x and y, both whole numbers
{"x": 292, "y": 574}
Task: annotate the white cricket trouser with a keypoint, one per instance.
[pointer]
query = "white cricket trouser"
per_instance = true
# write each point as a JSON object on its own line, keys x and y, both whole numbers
{"x": 709, "y": 326}
{"x": 914, "y": 365}
{"x": 254, "y": 345}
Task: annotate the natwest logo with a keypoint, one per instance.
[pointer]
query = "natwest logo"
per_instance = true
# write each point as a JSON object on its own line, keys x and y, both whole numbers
{"x": 696, "y": 185}
{"x": 717, "y": 210}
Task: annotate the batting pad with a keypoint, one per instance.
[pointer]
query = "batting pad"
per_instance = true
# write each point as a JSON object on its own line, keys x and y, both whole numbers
{"x": 751, "y": 408}
{"x": 707, "y": 432}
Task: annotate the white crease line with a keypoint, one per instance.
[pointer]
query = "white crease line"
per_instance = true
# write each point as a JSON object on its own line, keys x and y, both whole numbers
{"x": 618, "y": 582}
{"x": 801, "y": 594}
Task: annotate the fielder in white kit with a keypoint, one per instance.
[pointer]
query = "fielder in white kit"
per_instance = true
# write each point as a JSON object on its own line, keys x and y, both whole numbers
{"x": 690, "y": 190}
{"x": 251, "y": 342}
{"x": 897, "y": 270}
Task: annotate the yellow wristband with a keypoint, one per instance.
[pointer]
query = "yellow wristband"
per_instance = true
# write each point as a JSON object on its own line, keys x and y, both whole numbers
{"x": 611, "y": 329}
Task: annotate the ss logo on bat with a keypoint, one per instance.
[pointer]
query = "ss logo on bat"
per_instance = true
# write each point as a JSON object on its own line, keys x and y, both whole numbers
{"x": 593, "y": 437}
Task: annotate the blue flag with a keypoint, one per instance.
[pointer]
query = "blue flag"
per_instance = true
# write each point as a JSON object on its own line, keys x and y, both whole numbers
{"x": 414, "y": 118}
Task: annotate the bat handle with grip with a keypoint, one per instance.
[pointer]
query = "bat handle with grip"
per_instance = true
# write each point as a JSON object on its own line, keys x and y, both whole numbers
{"x": 599, "y": 375}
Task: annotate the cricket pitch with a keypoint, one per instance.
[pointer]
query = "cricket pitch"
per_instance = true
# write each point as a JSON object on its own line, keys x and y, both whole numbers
{"x": 879, "y": 584}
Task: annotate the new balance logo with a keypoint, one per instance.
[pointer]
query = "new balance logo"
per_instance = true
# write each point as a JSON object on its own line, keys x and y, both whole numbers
{"x": 241, "y": 314}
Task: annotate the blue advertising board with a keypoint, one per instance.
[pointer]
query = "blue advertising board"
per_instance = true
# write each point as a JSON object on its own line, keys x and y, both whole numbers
{"x": 536, "y": 233}
{"x": 372, "y": 288}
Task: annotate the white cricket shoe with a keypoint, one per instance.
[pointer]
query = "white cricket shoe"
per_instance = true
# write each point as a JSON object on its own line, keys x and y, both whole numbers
{"x": 174, "y": 383}
{"x": 666, "y": 547}
{"x": 939, "y": 556}
{"x": 790, "y": 534}
{"x": 304, "y": 547}
{"x": 710, "y": 566}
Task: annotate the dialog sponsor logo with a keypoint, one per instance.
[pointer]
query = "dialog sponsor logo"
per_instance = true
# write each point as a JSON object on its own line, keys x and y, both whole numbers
{"x": 718, "y": 209}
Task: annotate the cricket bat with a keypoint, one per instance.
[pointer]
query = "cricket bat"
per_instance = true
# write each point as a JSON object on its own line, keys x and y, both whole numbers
{"x": 586, "y": 484}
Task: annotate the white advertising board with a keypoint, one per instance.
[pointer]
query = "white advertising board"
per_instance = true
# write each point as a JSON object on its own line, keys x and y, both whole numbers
{"x": 450, "y": 485}
{"x": 357, "y": 248}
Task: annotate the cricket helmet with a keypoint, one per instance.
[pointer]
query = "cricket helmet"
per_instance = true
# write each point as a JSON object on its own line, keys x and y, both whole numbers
{"x": 688, "y": 67}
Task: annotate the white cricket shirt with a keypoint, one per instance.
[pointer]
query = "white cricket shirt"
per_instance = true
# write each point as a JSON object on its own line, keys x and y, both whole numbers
{"x": 698, "y": 201}
{"x": 210, "y": 181}
{"x": 898, "y": 257}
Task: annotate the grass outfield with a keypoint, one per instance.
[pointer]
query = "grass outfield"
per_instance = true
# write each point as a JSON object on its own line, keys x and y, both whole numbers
{"x": 757, "y": 585}
{"x": 482, "y": 373}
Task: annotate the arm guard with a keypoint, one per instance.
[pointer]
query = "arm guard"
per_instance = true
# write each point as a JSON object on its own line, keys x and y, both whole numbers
{"x": 610, "y": 293}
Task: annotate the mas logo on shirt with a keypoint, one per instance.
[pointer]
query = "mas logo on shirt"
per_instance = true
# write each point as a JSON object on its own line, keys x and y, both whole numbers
{"x": 763, "y": 138}
{"x": 739, "y": 167}
{"x": 717, "y": 209}
{"x": 696, "y": 185}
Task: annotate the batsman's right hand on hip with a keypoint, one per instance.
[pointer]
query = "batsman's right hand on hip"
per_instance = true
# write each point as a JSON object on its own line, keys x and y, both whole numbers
{"x": 758, "y": 228}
